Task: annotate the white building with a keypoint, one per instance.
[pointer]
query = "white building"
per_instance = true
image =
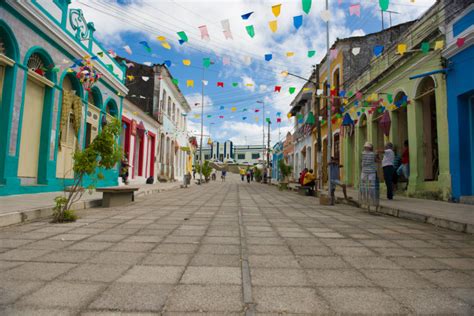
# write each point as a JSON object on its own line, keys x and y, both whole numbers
{"x": 171, "y": 109}
{"x": 251, "y": 154}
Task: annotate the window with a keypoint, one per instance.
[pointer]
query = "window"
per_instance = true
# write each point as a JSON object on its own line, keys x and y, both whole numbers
{"x": 255, "y": 156}
{"x": 240, "y": 156}
{"x": 168, "y": 108}
{"x": 206, "y": 157}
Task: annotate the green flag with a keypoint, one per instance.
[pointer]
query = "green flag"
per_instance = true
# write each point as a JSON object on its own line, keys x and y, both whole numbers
{"x": 250, "y": 30}
{"x": 292, "y": 90}
{"x": 175, "y": 81}
{"x": 268, "y": 120}
{"x": 235, "y": 84}
{"x": 183, "y": 36}
{"x": 389, "y": 98}
{"x": 206, "y": 62}
{"x": 310, "y": 119}
{"x": 311, "y": 53}
{"x": 306, "y": 6}
{"x": 384, "y": 4}
{"x": 425, "y": 47}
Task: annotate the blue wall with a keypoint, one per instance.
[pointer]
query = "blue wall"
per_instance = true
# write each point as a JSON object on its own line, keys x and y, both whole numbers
{"x": 460, "y": 88}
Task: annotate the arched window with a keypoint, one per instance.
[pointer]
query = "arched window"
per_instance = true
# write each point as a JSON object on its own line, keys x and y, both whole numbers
{"x": 38, "y": 98}
{"x": 426, "y": 101}
{"x": 94, "y": 105}
{"x": 168, "y": 108}
{"x": 336, "y": 80}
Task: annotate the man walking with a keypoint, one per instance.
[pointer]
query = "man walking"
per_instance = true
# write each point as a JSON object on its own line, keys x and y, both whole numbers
{"x": 388, "y": 169}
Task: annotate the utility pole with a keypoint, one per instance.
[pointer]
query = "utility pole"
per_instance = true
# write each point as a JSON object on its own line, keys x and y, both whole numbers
{"x": 263, "y": 130}
{"x": 316, "y": 102}
{"x": 329, "y": 129}
{"x": 383, "y": 26}
{"x": 268, "y": 153}
{"x": 202, "y": 125}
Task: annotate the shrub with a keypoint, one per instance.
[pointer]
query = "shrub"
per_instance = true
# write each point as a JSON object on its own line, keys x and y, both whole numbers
{"x": 285, "y": 169}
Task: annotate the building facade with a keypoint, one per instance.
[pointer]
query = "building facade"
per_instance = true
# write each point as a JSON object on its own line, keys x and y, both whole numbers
{"x": 277, "y": 155}
{"x": 241, "y": 154}
{"x": 46, "y": 112}
{"x": 460, "y": 89}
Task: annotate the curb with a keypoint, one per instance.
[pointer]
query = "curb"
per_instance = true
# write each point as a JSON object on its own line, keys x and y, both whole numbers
{"x": 410, "y": 215}
{"x": 24, "y": 216}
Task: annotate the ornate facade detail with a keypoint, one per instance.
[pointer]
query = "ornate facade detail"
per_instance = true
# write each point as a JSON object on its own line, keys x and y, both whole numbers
{"x": 79, "y": 24}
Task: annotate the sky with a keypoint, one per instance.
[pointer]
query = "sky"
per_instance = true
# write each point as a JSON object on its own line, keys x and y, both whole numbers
{"x": 233, "y": 113}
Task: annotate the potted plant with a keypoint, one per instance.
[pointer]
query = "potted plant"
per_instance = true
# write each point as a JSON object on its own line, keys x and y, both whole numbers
{"x": 206, "y": 170}
{"x": 257, "y": 172}
{"x": 285, "y": 171}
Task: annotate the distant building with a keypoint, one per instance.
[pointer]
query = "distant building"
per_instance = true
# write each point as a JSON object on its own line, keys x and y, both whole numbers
{"x": 251, "y": 154}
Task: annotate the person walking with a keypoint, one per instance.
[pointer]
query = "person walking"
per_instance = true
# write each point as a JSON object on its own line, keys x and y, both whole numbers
{"x": 248, "y": 175}
{"x": 223, "y": 174}
{"x": 335, "y": 171}
{"x": 194, "y": 173}
{"x": 369, "y": 184}
{"x": 388, "y": 169}
{"x": 251, "y": 174}
{"x": 242, "y": 173}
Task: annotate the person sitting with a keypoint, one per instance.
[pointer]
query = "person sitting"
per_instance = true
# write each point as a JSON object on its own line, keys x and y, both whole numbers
{"x": 309, "y": 180}
{"x": 302, "y": 174}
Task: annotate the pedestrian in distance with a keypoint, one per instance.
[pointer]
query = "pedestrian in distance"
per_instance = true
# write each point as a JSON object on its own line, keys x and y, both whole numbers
{"x": 223, "y": 174}
{"x": 404, "y": 168}
{"x": 194, "y": 173}
{"x": 388, "y": 162}
{"x": 369, "y": 183}
{"x": 251, "y": 174}
{"x": 248, "y": 175}
{"x": 335, "y": 180}
{"x": 242, "y": 173}
{"x": 124, "y": 165}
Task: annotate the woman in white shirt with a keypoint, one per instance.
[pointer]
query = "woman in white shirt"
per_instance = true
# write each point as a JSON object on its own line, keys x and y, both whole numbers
{"x": 388, "y": 169}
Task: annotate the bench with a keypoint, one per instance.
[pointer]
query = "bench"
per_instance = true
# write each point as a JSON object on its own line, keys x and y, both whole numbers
{"x": 117, "y": 196}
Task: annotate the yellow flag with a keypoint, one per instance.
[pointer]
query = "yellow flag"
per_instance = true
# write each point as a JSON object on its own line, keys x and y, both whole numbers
{"x": 276, "y": 10}
{"x": 346, "y": 101}
{"x": 190, "y": 83}
{"x": 306, "y": 89}
{"x": 402, "y": 48}
{"x": 233, "y": 109}
{"x": 290, "y": 54}
{"x": 273, "y": 25}
{"x": 439, "y": 45}
{"x": 131, "y": 77}
{"x": 374, "y": 97}
{"x": 161, "y": 38}
{"x": 289, "y": 115}
{"x": 256, "y": 119}
{"x": 284, "y": 73}
{"x": 186, "y": 62}
{"x": 197, "y": 116}
{"x": 249, "y": 84}
{"x": 166, "y": 45}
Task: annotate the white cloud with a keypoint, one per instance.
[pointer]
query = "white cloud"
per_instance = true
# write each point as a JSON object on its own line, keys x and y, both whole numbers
{"x": 196, "y": 98}
{"x": 248, "y": 83}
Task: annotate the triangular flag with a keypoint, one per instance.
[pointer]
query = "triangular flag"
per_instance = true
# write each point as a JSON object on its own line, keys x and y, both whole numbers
{"x": 354, "y": 9}
{"x": 311, "y": 53}
{"x": 204, "y": 33}
{"x": 145, "y": 78}
{"x": 183, "y": 36}
{"x": 298, "y": 21}
{"x": 290, "y": 54}
{"x": 220, "y": 84}
{"x": 389, "y": 98}
{"x": 167, "y": 63}
{"x": 235, "y": 84}
{"x": 127, "y": 49}
{"x": 221, "y": 107}
{"x": 439, "y": 45}
{"x": 378, "y": 50}
{"x": 306, "y": 6}
{"x": 146, "y": 46}
{"x": 326, "y": 15}
{"x": 277, "y": 88}
{"x": 402, "y": 48}
{"x": 186, "y": 62}
{"x": 226, "y": 29}
{"x": 292, "y": 90}
{"x": 175, "y": 81}
{"x": 233, "y": 109}
{"x": 384, "y": 4}
{"x": 460, "y": 42}
{"x": 278, "y": 120}
{"x": 246, "y": 16}
{"x": 189, "y": 83}
{"x": 355, "y": 51}
{"x": 273, "y": 25}
{"x": 250, "y": 30}
{"x": 181, "y": 42}
{"x": 206, "y": 62}
{"x": 101, "y": 54}
{"x": 276, "y": 10}
{"x": 425, "y": 47}
{"x": 166, "y": 45}
{"x": 130, "y": 77}
{"x": 197, "y": 116}
{"x": 221, "y": 116}
{"x": 244, "y": 117}
{"x": 161, "y": 38}
{"x": 289, "y": 115}
{"x": 205, "y": 82}
{"x": 268, "y": 57}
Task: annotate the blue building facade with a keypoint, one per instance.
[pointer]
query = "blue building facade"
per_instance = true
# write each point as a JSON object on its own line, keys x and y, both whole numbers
{"x": 277, "y": 156}
{"x": 460, "y": 92}
{"x": 46, "y": 112}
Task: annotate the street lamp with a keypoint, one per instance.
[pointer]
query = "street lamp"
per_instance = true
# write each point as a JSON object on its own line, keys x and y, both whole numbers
{"x": 263, "y": 131}
{"x": 202, "y": 123}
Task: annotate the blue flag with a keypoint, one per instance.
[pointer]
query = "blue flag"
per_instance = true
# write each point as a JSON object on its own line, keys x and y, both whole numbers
{"x": 378, "y": 50}
{"x": 268, "y": 57}
{"x": 298, "y": 21}
{"x": 246, "y": 16}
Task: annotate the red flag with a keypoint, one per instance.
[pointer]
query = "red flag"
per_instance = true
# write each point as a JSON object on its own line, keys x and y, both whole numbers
{"x": 220, "y": 84}
{"x": 460, "y": 41}
{"x": 278, "y": 120}
{"x": 221, "y": 116}
{"x": 277, "y": 88}
{"x": 256, "y": 111}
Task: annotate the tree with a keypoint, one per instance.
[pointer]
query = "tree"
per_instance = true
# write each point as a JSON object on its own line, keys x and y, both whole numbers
{"x": 285, "y": 169}
{"x": 102, "y": 154}
{"x": 206, "y": 170}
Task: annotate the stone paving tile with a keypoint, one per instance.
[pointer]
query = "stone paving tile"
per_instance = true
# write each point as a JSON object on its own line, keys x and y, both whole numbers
{"x": 273, "y": 261}
{"x": 201, "y": 259}
{"x": 176, "y": 248}
{"x": 166, "y": 259}
{"x": 340, "y": 277}
{"x": 117, "y": 257}
{"x": 71, "y": 256}
{"x": 23, "y": 254}
{"x": 397, "y": 279}
{"x": 448, "y": 278}
{"x": 34, "y": 311}
{"x": 152, "y": 274}
{"x": 95, "y": 273}
{"x": 133, "y": 297}
{"x": 212, "y": 275}
{"x": 289, "y": 300}
{"x": 62, "y": 294}
{"x": 206, "y": 298}
{"x": 11, "y": 290}
{"x": 278, "y": 277}
{"x": 36, "y": 271}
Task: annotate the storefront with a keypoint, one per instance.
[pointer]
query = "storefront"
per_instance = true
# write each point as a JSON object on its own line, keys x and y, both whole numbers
{"x": 46, "y": 113}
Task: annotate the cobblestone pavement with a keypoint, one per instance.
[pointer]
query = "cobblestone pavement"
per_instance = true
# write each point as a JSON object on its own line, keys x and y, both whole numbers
{"x": 234, "y": 248}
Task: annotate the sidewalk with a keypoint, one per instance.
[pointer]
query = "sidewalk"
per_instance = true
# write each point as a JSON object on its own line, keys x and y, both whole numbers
{"x": 15, "y": 209}
{"x": 454, "y": 216}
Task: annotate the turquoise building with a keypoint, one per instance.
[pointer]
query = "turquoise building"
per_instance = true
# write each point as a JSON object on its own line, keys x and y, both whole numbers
{"x": 459, "y": 53}
{"x": 46, "y": 113}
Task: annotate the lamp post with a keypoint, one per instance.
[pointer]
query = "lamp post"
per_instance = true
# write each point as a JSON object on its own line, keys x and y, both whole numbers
{"x": 329, "y": 129}
{"x": 202, "y": 126}
{"x": 263, "y": 131}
